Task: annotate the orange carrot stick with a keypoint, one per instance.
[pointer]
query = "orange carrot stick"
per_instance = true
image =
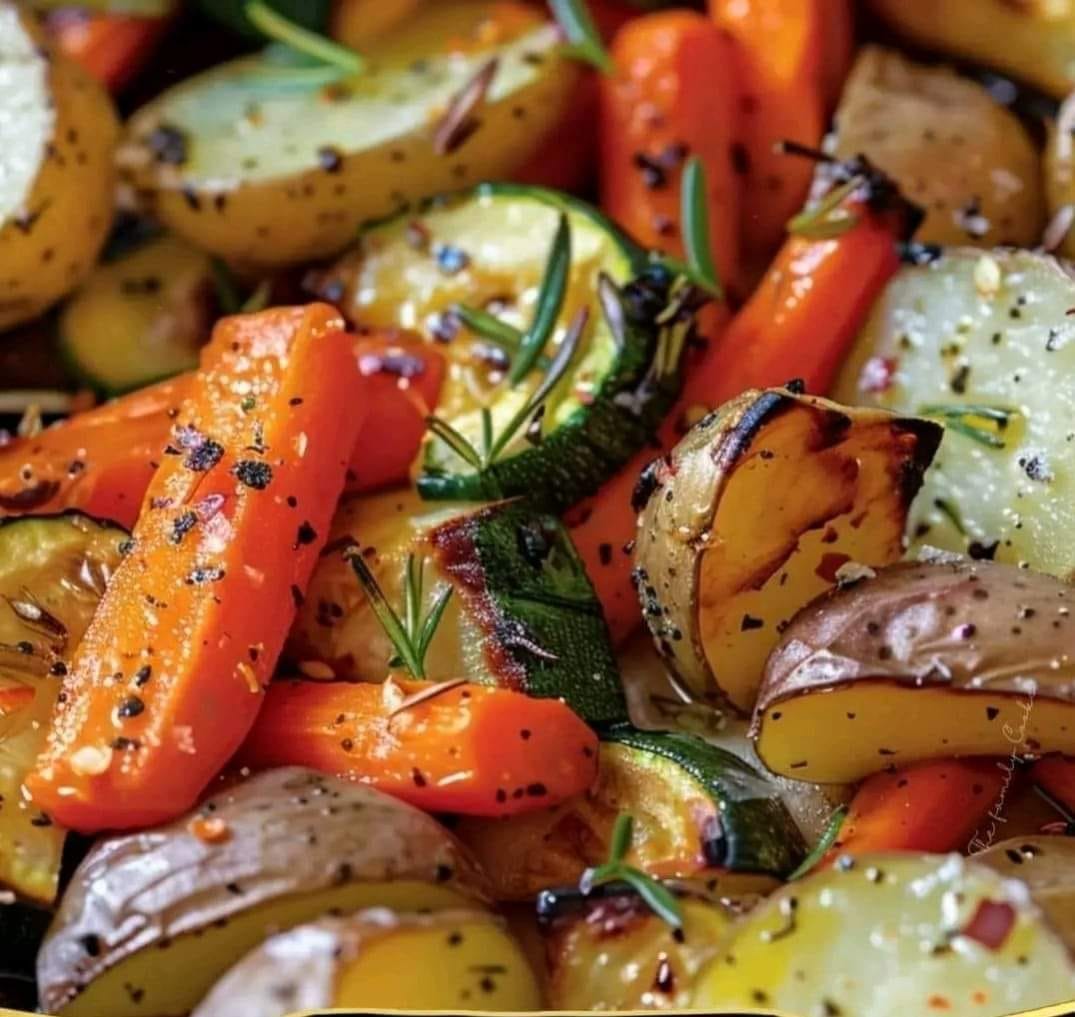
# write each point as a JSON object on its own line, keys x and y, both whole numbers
{"x": 798, "y": 324}
{"x": 673, "y": 95}
{"x": 102, "y": 461}
{"x": 837, "y": 49}
{"x": 779, "y": 46}
{"x": 468, "y": 748}
{"x": 937, "y": 805}
{"x": 171, "y": 672}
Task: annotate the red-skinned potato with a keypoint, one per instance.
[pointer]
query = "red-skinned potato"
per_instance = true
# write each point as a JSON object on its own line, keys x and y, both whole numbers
{"x": 955, "y": 658}
{"x": 755, "y": 513}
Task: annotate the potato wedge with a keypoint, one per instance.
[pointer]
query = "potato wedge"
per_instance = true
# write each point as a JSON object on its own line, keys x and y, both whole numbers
{"x": 613, "y": 953}
{"x": 922, "y": 661}
{"x": 968, "y": 162}
{"x": 152, "y": 919}
{"x": 56, "y": 172}
{"x": 250, "y": 167}
{"x": 1047, "y": 866}
{"x": 1031, "y": 39}
{"x": 984, "y": 342}
{"x": 754, "y": 514}
{"x": 1059, "y": 162}
{"x": 369, "y": 961}
{"x": 699, "y": 812}
{"x": 890, "y": 936}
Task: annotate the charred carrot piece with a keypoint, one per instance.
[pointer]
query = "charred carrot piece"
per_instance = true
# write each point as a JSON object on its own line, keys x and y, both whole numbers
{"x": 171, "y": 672}
{"x": 798, "y": 324}
{"x": 111, "y": 47}
{"x": 673, "y": 95}
{"x": 939, "y": 805}
{"x": 837, "y": 49}
{"x": 455, "y": 747}
{"x": 102, "y": 461}
{"x": 779, "y": 45}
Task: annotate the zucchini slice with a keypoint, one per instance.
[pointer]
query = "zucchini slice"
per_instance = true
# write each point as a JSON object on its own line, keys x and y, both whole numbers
{"x": 754, "y": 514}
{"x": 488, "y": 249}
{"x": 140, "y": 318}
{"x": 892, "y": 935}
{"x": 699, "y": 811}
{"x": 151, "y": 920}
{"x": 270, "y": 164}
{"x": 523, "y": 614}
{"x": 53, "y": 571}
{"x": 610, "y": 952}
{"x": 983, "y": 341}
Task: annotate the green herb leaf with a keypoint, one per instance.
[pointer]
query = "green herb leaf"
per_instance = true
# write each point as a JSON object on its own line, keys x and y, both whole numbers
{"x": 489, "y": 326}
{"x": 312, "y": 44}
{"x": 621, "y": 837}
{"x": 458, "y": 443}
{"x": 410, "y": 635}
{"x": 825, "y": 841}
{"x": 960, "y": 418}
{"x": 226, "y": 287}
{"x": 657, "y": 896}
{"x": 951, "y": 513}
{"x": 258, "y": 299}
{"x": 550, "y": 303}
{"x": 828, "y": 218}
{"x": 577, "y": 24}
{"x": 694, "y": 215}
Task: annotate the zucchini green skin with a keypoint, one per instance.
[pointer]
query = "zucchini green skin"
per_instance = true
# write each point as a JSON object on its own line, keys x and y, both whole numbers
{"x": 757, "y": 833}
{"x": 574, "y": 460}
{"x": 526, "y": 588}
{"x": 312, "y": 14}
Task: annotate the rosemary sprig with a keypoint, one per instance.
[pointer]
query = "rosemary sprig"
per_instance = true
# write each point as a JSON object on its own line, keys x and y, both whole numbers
{"x": 225, "y": 286}
{"x": 582, "y": 34}
{"x": 1055, "y": 803}
{"x": 828, "y": 218}
{"x": 698, "y": 267}
{"x": 410, "y": 634}
{"x": 500, "y": 333}
{"x": 825, "y": 841}
{"x": 951, "y": 513}
{"x": 318, "y": 47}
{"x": 959, "y": 418}
{"x": 657, "y": 897}
{"x": 493, "y": 445}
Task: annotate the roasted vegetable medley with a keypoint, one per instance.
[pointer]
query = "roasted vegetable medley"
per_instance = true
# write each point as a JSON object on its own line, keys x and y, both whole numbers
{"x": 571, "y": 499}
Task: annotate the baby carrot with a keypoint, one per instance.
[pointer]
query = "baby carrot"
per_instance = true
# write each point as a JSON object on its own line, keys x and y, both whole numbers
{"x": 456, "y": 747}
{"x": 171, "y": 672}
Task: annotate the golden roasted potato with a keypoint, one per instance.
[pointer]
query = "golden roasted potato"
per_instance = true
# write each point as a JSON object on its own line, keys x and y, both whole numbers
{"x": 983, "y": 342}
{"x": 1060, "y": 175}
{"x": 924, "y": 660}
{"x": 1034, "y": 40}
{"x": 613, "y": 953}
{"x": 699, "y": 812}
{"x": 755, "y": 513}
{"x": 56, "y": 170}
{"x": 247, "y": 165}
{"x": 152, "y": 919}
{"x": 1046, "y": 865}
{"x": 892, "y": 936}
{"x": 967, "y": 161}
{"x": 379, "y": 960}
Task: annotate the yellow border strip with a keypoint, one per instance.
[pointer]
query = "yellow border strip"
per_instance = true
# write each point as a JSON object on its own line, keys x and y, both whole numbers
{"x": 1059, "y": 1010}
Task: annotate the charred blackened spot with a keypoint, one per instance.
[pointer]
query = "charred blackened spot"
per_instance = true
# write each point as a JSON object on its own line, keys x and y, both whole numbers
{"x": 168, "y": 145}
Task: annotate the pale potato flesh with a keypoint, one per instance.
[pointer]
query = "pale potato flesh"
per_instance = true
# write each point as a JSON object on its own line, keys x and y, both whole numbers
{"x": 952, "y": 149}
{"x": 989, "y": 329}
{"x": 892, "y": 936}
{"x": 273, "y": 174}
{"x": 1034, "y": 40}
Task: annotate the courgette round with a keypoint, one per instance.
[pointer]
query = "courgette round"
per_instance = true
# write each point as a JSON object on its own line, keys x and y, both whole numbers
{"x": 140, "y": 318}
{"x": 53, "y": 571}
{"x": 489, "y": 248}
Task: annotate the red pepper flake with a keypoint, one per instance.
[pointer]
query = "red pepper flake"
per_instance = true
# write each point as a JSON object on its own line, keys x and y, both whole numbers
{"x": 831, "y": 563}
{"x": 209, "y": 829}
{"x": 991, "y": 925}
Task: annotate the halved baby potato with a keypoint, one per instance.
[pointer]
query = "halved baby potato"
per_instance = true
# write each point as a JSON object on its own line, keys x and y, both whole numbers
{"x": 379, "y": 960}
{"x": 1034, "y": 40}
{"x": 152, "y": 919}
{"x": 984, "y": 342}
{"x": 889, "y": 936}
{"x": 56, "y": 170}
{"x": 1059, "y": 161}
{"x": 250, "y": 165}
{"x": 611, "y": 952}
{"x": 925, "y": 660}
{"x": 966, "y": 160}
{"x": 756, "y": 512}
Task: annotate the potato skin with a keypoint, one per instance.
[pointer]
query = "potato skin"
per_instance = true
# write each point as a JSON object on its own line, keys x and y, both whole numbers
{"x": 1021, "y": 37}
{"x": 1059, "y": 161}
{"x": 47, "y": 251}
{"x": 118, "y": 900}
{"x": 967, "y": 161}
